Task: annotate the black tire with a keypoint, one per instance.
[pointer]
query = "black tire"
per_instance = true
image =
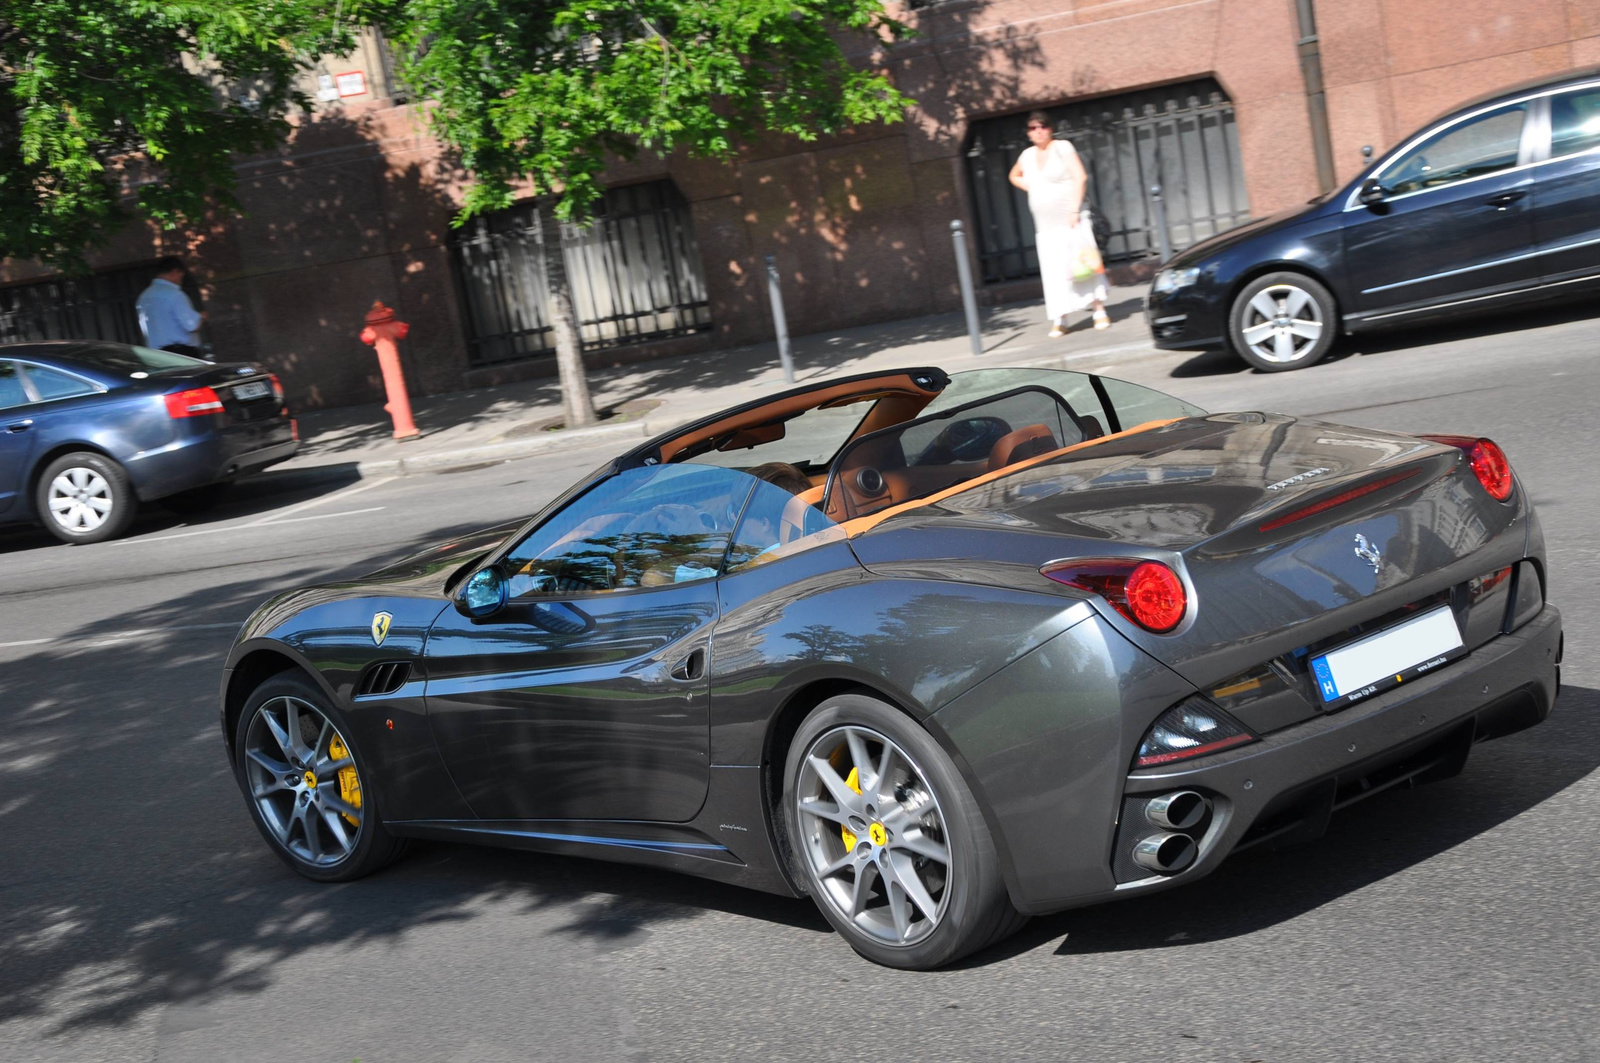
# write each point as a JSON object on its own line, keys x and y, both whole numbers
{"x": 197, "y": 499}
{"x": 975, "y": 910}
{"x": 99, "y": 481}
{"x": 1300, "y": 330}
{"x": 373, "y": 846}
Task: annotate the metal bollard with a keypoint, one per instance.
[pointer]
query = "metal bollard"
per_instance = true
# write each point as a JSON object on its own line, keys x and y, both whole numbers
{"x": 381, "y": 333}
{"x": 969, "y": 298}
{"x": 1161, "y": 222}
{"x": 779, "y": 322}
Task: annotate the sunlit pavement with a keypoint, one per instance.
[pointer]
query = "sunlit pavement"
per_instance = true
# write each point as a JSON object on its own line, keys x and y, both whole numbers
{"x": 142, "y": 918}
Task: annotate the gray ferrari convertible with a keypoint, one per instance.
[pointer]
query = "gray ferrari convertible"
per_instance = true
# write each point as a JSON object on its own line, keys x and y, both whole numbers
{"x": 939, "y": 652}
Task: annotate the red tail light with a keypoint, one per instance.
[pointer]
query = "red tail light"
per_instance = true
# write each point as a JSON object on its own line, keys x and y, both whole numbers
{"x": 1146, "y": 592}
{"x": 196, "y": 402}
{"x": 1488, "y": 461}
{"x": 277, "y": 387}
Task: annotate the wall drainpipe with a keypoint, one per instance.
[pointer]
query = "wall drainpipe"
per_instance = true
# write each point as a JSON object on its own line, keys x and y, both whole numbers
{"x": 1316, "y": 100}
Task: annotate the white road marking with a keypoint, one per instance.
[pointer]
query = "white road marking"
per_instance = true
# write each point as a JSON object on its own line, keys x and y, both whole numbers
{"x": 311, "y": 503}
{"x": 253, "y": 524}
{"x": 108, "y": 638}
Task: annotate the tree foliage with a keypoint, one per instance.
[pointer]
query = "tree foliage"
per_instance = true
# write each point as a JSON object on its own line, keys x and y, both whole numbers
{"x": 546, "y": 91}
{"x": 106, "y": 100}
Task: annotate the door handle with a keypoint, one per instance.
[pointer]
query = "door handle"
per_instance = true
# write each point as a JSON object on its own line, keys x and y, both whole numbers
{"x": 1504, "y": 199}
{"x": 19, "y": 426}
{"x": 691, "y": 667}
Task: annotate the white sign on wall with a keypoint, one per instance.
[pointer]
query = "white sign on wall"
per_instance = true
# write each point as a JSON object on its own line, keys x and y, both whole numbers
{"x": 352, "y": 84}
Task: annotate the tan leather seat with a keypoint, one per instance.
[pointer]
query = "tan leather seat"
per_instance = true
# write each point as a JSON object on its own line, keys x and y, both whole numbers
{"x": 1027, "y": 442}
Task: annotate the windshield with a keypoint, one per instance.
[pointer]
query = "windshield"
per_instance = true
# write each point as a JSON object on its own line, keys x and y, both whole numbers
{"x": 929, "y": 454}
{"x": 808, "y": 440}
{"x": 1106, "y": 402}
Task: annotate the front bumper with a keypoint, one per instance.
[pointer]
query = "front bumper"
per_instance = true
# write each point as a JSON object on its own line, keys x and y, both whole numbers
{"x": 1287, "y": 783}
{"x": 1187, "y": 319}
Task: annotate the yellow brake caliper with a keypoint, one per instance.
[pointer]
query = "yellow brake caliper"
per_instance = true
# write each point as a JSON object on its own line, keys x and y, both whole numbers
{"x": 349, "y": 782}
{"x": 853, "y": 780}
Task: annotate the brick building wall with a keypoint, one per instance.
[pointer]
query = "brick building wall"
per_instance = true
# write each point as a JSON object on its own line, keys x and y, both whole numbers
{"x": 358, "y": 205}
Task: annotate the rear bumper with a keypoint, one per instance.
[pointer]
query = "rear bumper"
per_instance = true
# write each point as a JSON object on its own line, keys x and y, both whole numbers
{"x": 205, "y": 459}
{"x": 1287, "y": 783}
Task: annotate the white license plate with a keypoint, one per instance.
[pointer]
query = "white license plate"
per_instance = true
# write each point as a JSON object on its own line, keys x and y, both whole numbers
{"x": 1378, "y": 662}
{"x": 255, "y": 389}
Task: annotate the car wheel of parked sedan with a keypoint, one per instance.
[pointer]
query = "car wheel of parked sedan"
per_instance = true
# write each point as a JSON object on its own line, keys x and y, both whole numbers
{"x": 85, "y": 498}
{"x": 1283, "y": 321}
{"x": 889, "y": 840}
{"x": 303, "y": 781}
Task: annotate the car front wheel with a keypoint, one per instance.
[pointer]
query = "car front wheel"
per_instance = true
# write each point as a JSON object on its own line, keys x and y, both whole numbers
{"x": 305, "y": 784}
{"x": 85, "y": 497}
{"x": 1283, "y": 321}
{"x": 889, "y": 840}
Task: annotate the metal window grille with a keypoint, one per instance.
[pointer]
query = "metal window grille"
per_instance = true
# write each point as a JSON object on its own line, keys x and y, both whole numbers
{"x": 1182, "y": 137}
{"x": 635, "y": 272}
{"x": 97, "y": 307}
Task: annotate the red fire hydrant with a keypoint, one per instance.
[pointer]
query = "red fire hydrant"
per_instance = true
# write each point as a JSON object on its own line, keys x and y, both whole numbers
{"x": 381, "y": 332}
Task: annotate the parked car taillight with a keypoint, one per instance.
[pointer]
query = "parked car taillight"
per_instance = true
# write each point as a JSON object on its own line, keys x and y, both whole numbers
{"x": 277, "y": 388}
{"x": 1146, "y": 592}
{"x": 195, "y": 402}
{"x": 1489, "y": 463}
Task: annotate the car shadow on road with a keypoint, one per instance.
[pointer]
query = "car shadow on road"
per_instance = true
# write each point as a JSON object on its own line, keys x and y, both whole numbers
{"x": 1365, "y": 843}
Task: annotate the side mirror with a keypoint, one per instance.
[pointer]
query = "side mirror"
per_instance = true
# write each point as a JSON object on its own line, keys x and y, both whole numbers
{"x": 1371, "y": 191}
{"x": 484, "y": 594}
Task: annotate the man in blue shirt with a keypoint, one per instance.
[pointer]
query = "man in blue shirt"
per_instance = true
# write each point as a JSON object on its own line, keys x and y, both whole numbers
{"x": 166, "y": 317}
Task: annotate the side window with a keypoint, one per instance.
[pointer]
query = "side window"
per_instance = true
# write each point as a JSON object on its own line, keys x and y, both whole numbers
{"x": 776, "y": 524}
{"x": 1477, "y": 146}
{"x": 11, "y": 393}
{"x": 650, "y": 527}
{"x": 1574, "y": 122}
{"x": 53, "y": 384}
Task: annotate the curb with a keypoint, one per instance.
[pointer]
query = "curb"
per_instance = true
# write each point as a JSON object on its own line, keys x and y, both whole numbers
{"x": 444, "y": 461}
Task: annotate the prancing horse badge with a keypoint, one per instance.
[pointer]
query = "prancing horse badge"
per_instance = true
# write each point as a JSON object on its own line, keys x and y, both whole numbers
{"x": 380, "y": 627}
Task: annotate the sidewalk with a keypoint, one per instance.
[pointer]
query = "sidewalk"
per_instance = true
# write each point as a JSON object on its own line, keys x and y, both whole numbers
{"x": 639, "y": 401}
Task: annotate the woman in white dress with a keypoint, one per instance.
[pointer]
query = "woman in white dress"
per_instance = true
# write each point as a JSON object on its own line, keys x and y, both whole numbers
{"x": 1069, "y": 263}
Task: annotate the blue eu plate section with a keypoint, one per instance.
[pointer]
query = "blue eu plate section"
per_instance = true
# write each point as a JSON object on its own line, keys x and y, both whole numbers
{"x": 1388, "y": 658}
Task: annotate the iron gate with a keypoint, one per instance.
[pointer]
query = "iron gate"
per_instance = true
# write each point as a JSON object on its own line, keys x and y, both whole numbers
{"x": 96, "y": 307}
{"x": 1182, "y": 137}
{"x": 635, "y": 272}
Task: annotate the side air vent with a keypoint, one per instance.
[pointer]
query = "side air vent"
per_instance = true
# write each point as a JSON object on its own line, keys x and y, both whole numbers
{"x": 383, "y": 678}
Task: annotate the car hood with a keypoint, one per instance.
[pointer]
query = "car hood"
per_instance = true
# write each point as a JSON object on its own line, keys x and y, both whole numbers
{"x": 424, "y": 575}
{"x": 1197, "y": 253}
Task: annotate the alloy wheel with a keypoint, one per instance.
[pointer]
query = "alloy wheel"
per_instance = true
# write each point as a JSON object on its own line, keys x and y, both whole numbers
{"x": 303, "y": 780}
{"x": 1282, "y": 323}
{"x": 873, "y": 835}
{"x": 80, "y": 499}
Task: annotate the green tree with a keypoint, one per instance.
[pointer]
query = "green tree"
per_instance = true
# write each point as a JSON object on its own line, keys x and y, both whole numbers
{"x": 137, "y": 107}
{"x": 548, "y": 92}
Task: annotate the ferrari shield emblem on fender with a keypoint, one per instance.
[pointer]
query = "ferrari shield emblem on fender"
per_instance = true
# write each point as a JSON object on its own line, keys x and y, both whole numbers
{"x": 380, "y": 627}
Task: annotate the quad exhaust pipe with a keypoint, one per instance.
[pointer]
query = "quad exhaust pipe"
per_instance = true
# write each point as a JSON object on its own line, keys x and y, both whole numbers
{"x": 1165, "y": 853}
{"x": 1172, "y": 849}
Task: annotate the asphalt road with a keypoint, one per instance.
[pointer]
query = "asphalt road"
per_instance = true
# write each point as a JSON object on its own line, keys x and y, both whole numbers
{"x": 142, "y": 918}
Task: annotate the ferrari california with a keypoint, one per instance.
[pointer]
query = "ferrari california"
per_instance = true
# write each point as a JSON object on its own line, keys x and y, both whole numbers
{"x": 940, "y": 652}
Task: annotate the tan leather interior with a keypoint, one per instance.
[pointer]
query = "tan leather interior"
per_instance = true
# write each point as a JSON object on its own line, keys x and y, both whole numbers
{"x": 1026, "y": 442}
{"x": 898, "y": 398}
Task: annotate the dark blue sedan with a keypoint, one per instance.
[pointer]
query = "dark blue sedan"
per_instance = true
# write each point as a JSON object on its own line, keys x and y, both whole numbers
{"x": 88, "y": 430}
{"x": 1495, "y": 203}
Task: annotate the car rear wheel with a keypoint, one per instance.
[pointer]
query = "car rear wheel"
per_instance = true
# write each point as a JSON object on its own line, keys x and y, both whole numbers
{"x": 889, "y": 840}
{"x": 85, "y": 497}
{"x": 306, "y": 785}
{"x": 1283, "y": 321}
